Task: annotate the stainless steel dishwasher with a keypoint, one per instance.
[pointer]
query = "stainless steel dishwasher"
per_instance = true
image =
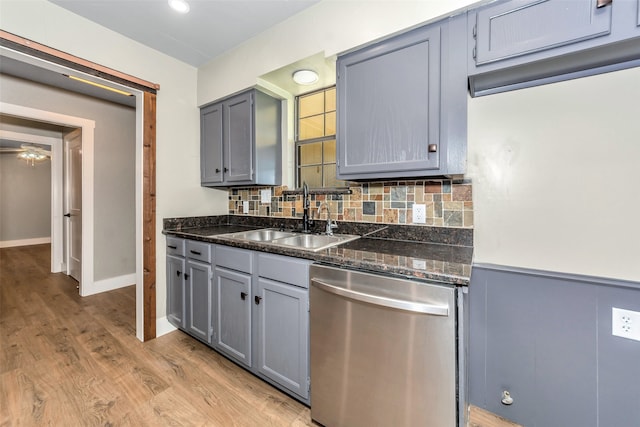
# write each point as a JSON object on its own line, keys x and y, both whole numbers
{"x": 383, "y": 350}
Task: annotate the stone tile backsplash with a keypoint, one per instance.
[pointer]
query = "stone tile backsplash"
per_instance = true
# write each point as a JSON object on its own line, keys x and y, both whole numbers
{"x": 448, "y": 202}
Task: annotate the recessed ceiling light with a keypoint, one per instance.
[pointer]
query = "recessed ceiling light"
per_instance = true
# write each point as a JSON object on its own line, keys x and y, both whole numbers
{"x": 179, "y": 5}
{"x": 305, "y": 77}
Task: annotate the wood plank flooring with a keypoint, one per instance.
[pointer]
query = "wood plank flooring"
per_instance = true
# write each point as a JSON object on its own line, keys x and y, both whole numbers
{"x": 71, "y": 361}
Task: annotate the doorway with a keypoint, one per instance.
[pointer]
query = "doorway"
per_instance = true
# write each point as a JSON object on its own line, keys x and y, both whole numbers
{"x": 144, "y": 92}
{"x": 87, "y": 128}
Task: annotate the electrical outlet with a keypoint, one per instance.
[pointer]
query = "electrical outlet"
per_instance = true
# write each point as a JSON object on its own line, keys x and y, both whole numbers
{"x": 245, "y": 207}
{"x": 419, "y": 214}
{"x": 625, "y": 323}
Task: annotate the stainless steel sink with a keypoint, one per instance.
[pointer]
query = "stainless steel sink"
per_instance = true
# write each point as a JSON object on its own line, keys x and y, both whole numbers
{"x": 308, "y": 242}
{"x": 263, "y": 235}
{"x": 315, "y": 242}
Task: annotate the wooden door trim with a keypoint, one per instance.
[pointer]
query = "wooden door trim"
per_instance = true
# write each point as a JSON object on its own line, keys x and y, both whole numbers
{"x": 149, "y": 90}
{"x": 59, "y": 57}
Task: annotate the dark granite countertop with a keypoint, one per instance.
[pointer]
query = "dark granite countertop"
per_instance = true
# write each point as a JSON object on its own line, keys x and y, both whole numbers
{"x": 426, "y": 253}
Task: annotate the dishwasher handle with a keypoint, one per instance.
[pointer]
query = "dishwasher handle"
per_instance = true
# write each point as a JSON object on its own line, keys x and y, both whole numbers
{"x": 416, "y": 307}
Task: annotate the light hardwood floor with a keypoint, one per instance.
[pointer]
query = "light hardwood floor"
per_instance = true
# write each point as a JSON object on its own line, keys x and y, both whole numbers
{"x": 71, "y": 361}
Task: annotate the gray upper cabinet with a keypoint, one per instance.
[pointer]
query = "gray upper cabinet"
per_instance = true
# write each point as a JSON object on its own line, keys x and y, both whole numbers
{"x": 211, "y": 145}
{"x": 241, "y": 141}
{"x": 402, "y": 105}
{"x": 516, "y": 28}
{"x": 523, "y": 43}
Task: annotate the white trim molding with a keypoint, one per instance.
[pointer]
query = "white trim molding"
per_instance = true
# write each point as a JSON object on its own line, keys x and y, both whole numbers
{"x": 25, "y": 242}
{"x": 112, "y": 283}
{"x": 163, "y": 326}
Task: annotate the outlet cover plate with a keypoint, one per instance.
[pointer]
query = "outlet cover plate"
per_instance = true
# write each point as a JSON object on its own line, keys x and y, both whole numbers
{"x": 419, "y": 213}
{"x": 245, "y": 206}
{"x": 625, "y": 323}
{"x": 265, "y": 196}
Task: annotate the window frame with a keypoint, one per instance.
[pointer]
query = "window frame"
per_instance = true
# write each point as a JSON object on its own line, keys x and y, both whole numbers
{"x": 322, "y": 139}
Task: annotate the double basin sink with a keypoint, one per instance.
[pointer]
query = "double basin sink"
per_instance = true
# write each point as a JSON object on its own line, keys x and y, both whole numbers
{"x": 308, "y": 242}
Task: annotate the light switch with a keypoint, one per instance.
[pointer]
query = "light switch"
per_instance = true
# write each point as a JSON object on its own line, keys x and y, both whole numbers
{"x": 245, "y": 206}
{"x": 265, "y": 196}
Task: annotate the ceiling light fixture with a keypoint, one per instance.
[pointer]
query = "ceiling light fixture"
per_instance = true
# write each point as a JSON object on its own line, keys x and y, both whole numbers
{"x": 305, "y": 77}
{"x": 180, "y": 6}
{"x": 32, "y": 155}
{"x": 101, "y": 86}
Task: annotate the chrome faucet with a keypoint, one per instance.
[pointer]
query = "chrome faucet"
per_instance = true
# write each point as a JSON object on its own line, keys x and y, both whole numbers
{"x": 328, "y": 229}
{"x": 306, "y": 222}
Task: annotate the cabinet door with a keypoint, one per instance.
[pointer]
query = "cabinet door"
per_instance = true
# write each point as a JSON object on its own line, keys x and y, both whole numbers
{"x": 389, "y": 107}
{"x": 175, "y": 290}
{"x": 211, "y": 144}
{"x": 515, "y": 28}
{"x": 238, "y": 138}
{"x": 283, "y": 335}
{"x": 197, "y": 298}
{"x": 232, "y": 324}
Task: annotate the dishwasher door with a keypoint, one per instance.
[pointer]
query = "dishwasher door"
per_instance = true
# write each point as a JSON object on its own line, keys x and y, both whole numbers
{"x": 383, "y": 350}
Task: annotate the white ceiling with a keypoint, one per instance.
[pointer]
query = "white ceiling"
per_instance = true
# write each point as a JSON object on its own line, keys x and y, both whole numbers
{"x": 211, "y": 28}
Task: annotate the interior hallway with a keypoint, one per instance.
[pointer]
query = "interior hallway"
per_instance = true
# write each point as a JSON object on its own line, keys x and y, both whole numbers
{"x": 71, "y": 361}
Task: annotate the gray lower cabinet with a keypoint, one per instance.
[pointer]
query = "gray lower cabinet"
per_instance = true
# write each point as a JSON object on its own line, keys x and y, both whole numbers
{"x": 253, "y": 307}
{"x": 198, "y": 281}
{"x": 522, "y": 43}
{"x": 241, "y": 140}
{"x": 175, "y": 281}
{"x": 282, "y": 314}
{"x": 233, "y": 314}
{"x": 402, "y": 105}
{"x": 233, "y": 300}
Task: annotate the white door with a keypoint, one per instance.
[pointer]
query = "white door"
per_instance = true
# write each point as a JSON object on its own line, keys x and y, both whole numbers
{"x": 73, "y": 202}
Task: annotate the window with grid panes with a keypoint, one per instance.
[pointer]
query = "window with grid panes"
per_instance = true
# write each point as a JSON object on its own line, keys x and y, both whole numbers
{"x": 316, "y": 139}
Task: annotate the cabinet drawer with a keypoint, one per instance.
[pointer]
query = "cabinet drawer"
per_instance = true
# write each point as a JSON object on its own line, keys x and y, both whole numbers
{"x": 175, "y": 246}
{"x": 284, "y": 269}
{"x": 235, "y": 259}
{"x": 199, "y": 250}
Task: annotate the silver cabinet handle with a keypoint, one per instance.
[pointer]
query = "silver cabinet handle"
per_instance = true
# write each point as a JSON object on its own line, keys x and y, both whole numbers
{"x": 416, "y": 307}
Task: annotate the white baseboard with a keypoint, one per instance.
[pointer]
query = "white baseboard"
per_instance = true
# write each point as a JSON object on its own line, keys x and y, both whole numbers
{"x": 163, "y": 326}
{"x": 25, "y": 242}
{"x": 110, "y": 284}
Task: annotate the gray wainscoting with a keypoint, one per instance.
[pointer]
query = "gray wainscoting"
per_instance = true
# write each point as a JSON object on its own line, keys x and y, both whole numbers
{"x": 546, "y": 338}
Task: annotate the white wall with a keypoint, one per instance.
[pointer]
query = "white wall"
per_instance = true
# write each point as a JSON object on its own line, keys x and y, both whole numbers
{"x": 25, "y": 202}
{"x": 555, "y": 176}
{"x": 178, "y": 181}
